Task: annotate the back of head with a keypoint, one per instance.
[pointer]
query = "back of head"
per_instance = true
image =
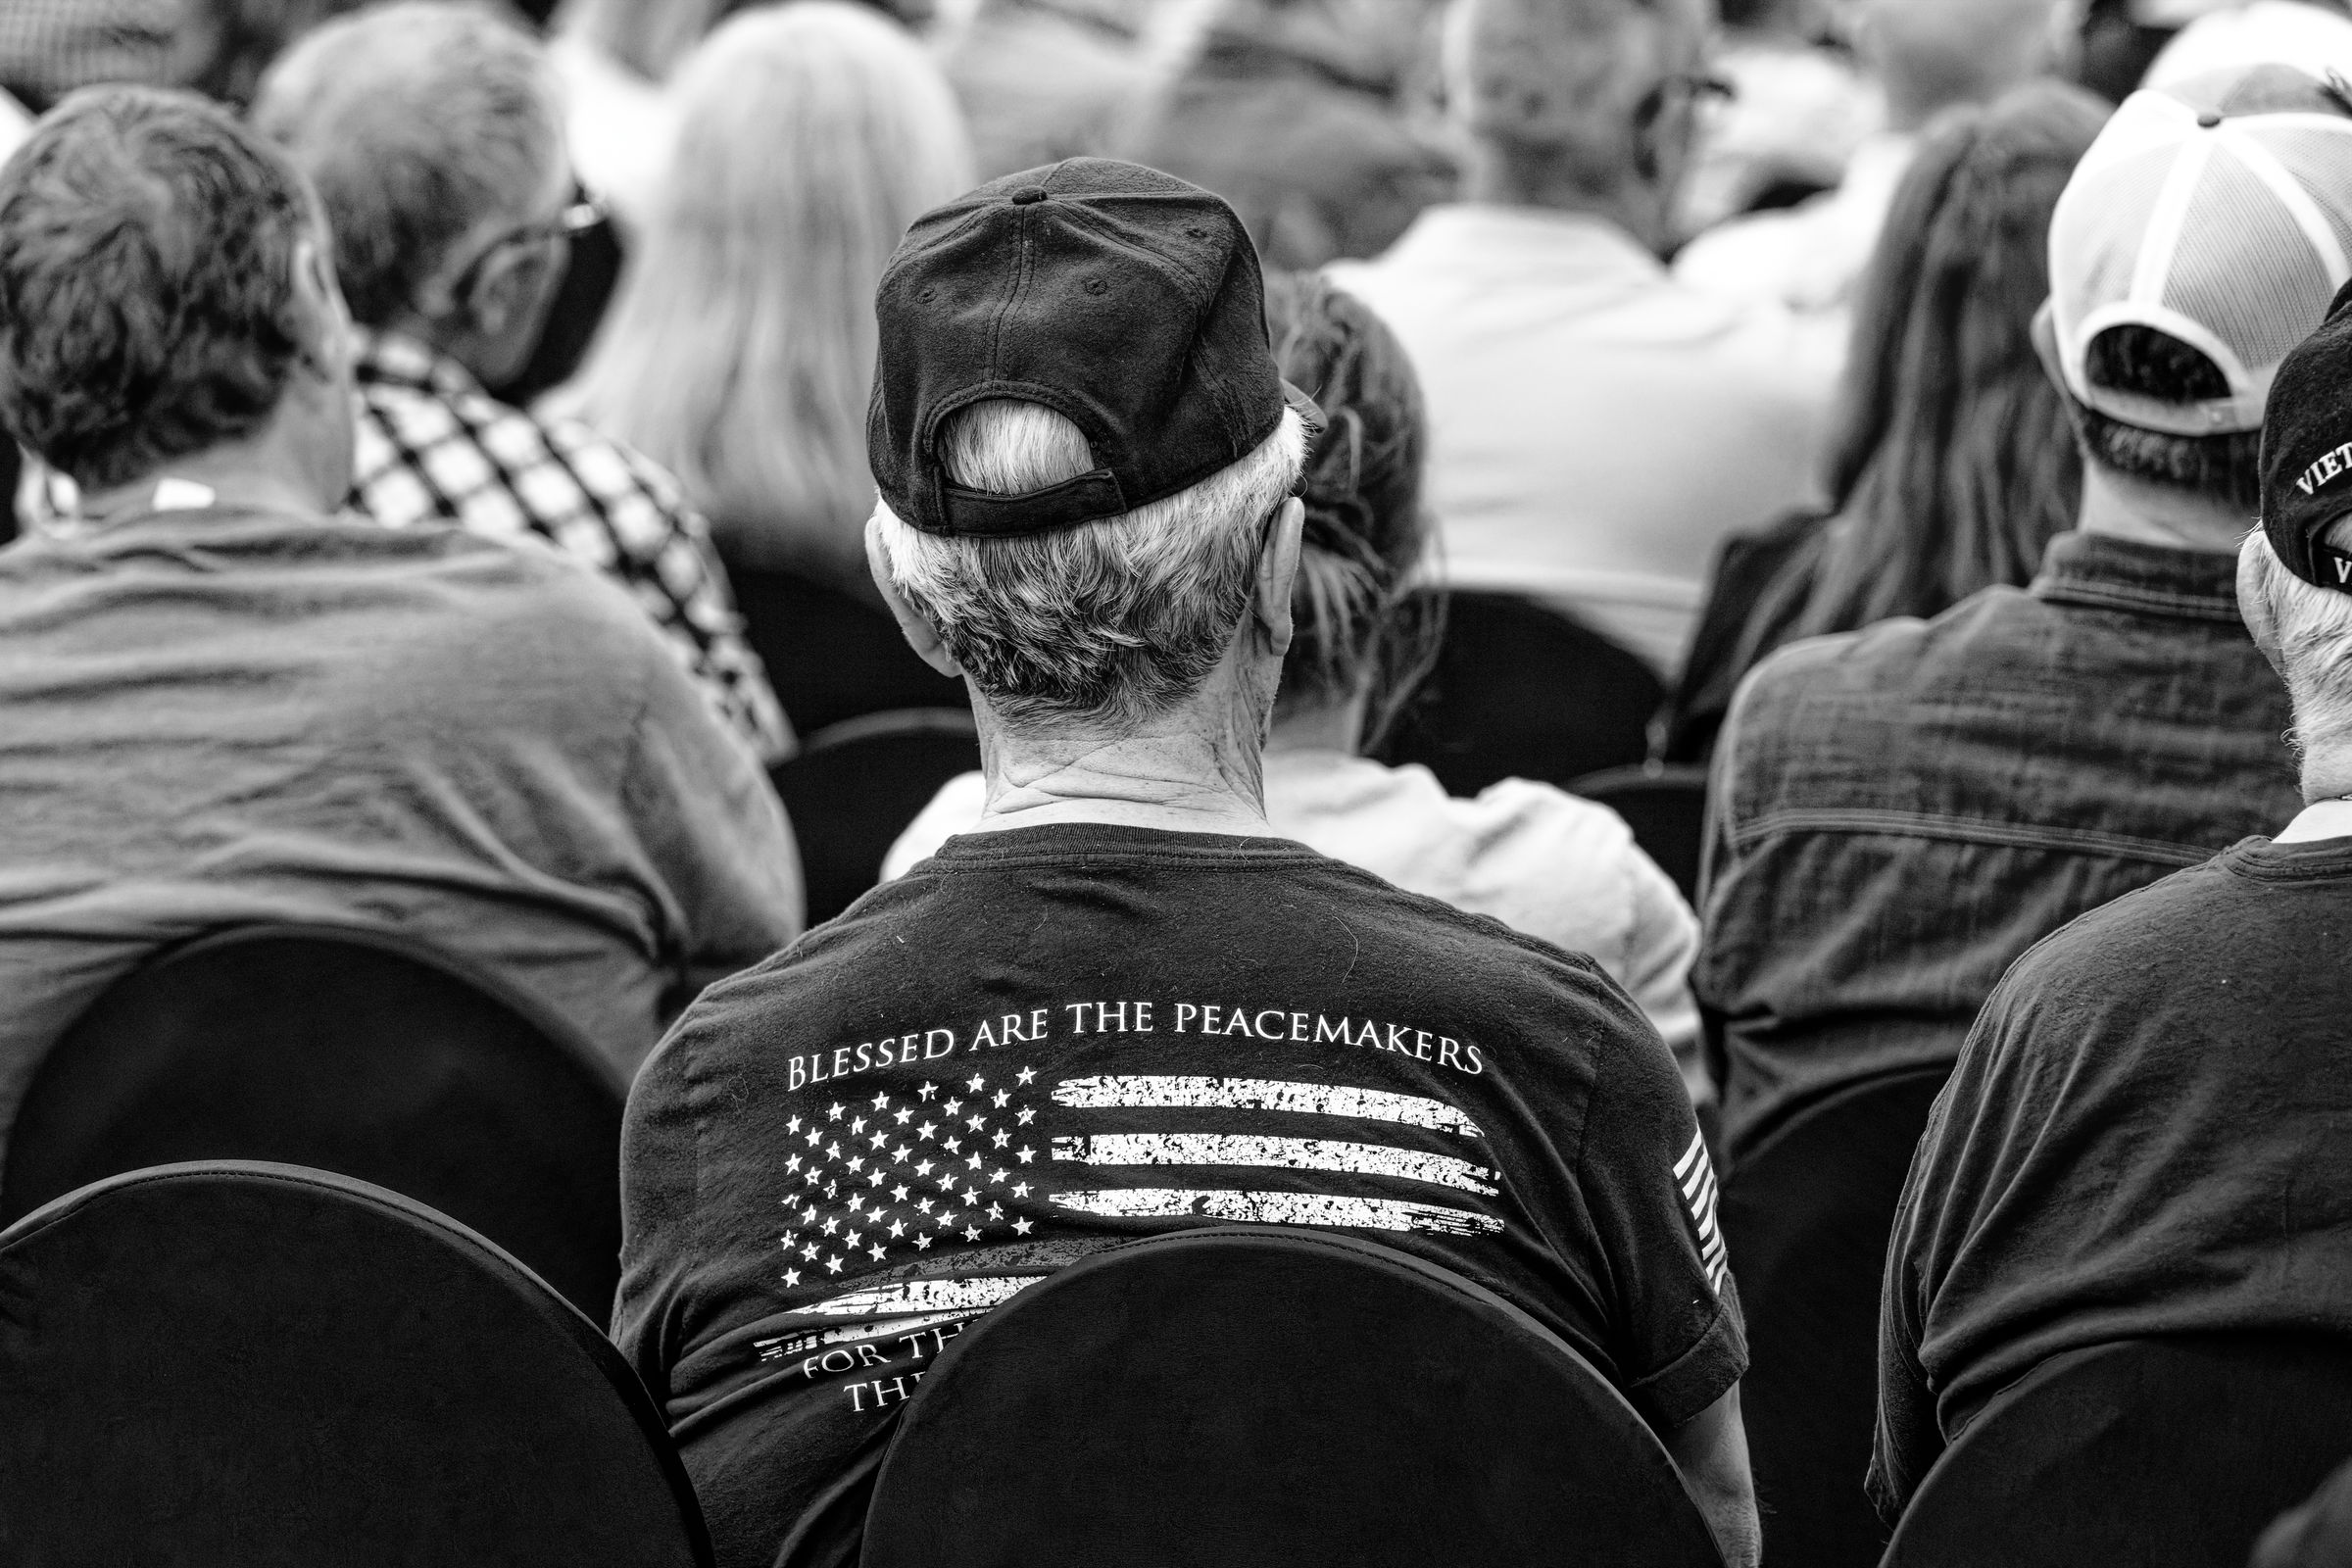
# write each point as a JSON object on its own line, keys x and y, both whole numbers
{"x": 2295, "y": 579}
{"x": 1955, "y": 463}
{"x": 1354, "y": 630}
{"x": 2200, "y": 239}
{"x": 420, "y": 123}
{"x": 149, "y": 251}
{"x": 1933, "y": 54}
{"x": 1081, "y": 440}
{"x": 740, "y": 353}
{"x": 1559, "y": 82}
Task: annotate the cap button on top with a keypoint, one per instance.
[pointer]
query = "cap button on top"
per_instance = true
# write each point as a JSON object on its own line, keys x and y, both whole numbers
{"x": 1027, "y": 194}
{"x": 2205, "y": 121}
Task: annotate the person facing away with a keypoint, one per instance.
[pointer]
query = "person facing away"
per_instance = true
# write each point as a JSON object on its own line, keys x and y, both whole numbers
{"x": 1898, "y": 813}
{"x": 1927, "y": 57}
{"x": 1594, "y": 426}
{"x": 1302, "y": 113}
{"x": 2144, "y": 1134}
{"x": 1536, "y": 857}
{"x": 1122, "y": 1006}
{"x": 1950, "y": 461}
{"x": 740, "y": 354}
{"x": 224, "y": 703}
{"x": 432, "y": 133}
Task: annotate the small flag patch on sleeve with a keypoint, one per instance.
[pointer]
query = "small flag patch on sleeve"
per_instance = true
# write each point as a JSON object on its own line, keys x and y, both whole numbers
{"x": 1694, "y": 1174}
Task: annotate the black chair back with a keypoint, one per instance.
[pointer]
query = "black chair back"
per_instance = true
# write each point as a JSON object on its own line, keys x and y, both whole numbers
{"x": 852, "y": 789}
{"x": 1806, "y": 1218}
{"x": 2166, "y": 1452}
{"x": 1666, "y": 807}
{"x": 1269, "y": 1396}
{"x": 256, "y": 1366}
{"x": 350, "y": 1050}
{"x": 1521, "y": 691}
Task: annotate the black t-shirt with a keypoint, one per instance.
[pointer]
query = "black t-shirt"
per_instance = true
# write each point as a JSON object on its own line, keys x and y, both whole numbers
{"x": 1044, "y": 1041}
{"x": 2144, "y": 1134}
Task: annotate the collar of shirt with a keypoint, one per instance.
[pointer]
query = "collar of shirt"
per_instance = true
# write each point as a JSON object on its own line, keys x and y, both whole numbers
{"x": 1495, "y": 243}
{"x": 2111, "y": 573}
{"x": 397, "y": 359}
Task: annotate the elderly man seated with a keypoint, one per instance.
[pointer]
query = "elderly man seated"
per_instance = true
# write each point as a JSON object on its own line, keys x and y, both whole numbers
{"x": 2144, "y": 1134}
{"x": 1120, "y": 1005}
{"x": 433, "y": 131}
{"x": 223, "y": 703}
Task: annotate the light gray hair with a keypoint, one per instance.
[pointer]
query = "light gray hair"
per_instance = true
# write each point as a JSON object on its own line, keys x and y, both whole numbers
{"x": 1109, "y": 623}
{"x": 416, "y": 121}
{"x": 2306, "y": 633}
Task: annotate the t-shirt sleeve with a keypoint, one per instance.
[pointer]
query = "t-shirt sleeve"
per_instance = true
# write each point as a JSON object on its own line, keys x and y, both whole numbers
{"x": 1649, "y": 1187}
{"x": 714, "y": 831}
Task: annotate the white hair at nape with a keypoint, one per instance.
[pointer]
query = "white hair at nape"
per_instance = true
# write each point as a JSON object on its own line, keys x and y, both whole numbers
{"x": 2307, "y": 632}
{"x": 1106, "y": 625}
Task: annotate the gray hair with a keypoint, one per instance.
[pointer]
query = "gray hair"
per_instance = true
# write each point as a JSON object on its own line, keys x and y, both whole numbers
{"x": 1108, "y": 623}
{"x": 2306, "y": 633}
{"x": 416, "y": 121}
{"x": 1555, "y": 83}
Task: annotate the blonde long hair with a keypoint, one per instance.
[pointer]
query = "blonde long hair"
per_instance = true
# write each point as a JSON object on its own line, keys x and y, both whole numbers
{"x": 740, "y": 353}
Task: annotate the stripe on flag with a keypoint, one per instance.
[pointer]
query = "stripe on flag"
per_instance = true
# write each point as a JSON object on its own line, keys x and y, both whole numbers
{"x": 914, "y": 1296}
{"x": 1282, "y": 1208}
{"x": 1264, "y": 1093}
{"x": 1290, "y": 1154}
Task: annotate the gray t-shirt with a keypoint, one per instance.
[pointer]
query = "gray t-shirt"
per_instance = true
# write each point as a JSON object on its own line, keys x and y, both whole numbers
{"x": 219, "y": 717}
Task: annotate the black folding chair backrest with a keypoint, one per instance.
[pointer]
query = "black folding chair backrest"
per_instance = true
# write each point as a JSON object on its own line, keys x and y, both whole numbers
{"x": 1522, "y": 691}
{"x": 2169, "y": 1452}
{"x": 350, "y": 1050}
{"x": 852, "y": 789}
{"x": 257, "y": 1366}
{"x": 1665, "y": 805}
{"x": 1806, "y": 1216}
{"x": 1270, "y": 1396}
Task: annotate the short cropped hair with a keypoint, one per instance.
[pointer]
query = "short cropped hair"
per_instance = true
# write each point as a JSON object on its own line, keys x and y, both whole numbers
{"x": 416, "y": 121}
{"x": 2307, "y": 632}
{"x": 1111, "y": 622}
{"x": 2133, "y": 358}
{"x": 148, "y": 302}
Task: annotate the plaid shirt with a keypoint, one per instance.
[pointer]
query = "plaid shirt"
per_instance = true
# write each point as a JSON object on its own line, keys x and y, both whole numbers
{"x": 434, "y": 444}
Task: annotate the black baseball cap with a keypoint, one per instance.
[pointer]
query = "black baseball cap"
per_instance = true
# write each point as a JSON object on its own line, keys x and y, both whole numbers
{"x": 2307, "y": 451}
{"x": 1123, "y": 299}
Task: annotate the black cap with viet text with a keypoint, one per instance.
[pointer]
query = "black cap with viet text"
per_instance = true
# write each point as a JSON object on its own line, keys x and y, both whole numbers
{"x": 1122, "y": 298}
{"x": 2307, "y": 452}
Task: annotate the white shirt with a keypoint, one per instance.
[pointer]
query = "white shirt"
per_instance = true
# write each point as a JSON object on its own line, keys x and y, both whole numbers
{"x": 1595, "y": 428}
{"x": 1537, "y": 858}
{"x": 1811, "y": 257}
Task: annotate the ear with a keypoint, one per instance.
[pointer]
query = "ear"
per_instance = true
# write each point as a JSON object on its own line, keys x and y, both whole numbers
{"x": 507, "y": 286}
{"x": 912, "y": 626}
{"x": 322, "y": 297}
{"x": 2254, "y": 604}
{"x": 1277, "y": 572}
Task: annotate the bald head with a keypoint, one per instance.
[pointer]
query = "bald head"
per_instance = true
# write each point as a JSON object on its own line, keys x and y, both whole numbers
{"x": 422, "y": 124}
{"x": 1568, "y": 92}
{"x": 1933, "y": 54}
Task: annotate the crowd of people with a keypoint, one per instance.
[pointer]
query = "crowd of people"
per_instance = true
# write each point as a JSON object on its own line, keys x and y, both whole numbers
{"x": 465, "y": 451}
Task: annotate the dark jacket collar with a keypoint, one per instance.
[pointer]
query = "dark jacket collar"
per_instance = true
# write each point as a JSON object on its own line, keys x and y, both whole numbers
{"x": 2111, "y": 573}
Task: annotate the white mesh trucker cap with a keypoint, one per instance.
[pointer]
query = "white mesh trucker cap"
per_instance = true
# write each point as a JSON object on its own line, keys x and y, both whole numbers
{"x": 2217, "y": 210}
